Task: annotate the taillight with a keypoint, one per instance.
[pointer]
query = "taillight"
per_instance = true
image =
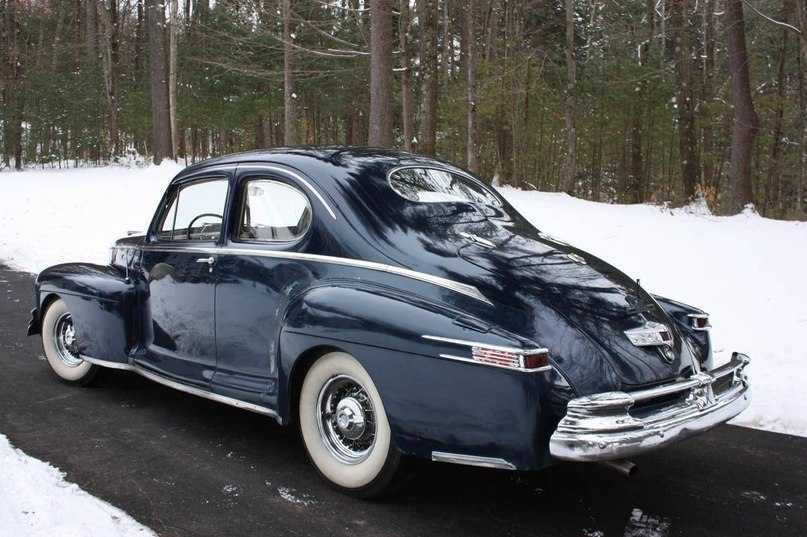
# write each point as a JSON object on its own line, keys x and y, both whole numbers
{"x": 536, "y": 359}
{"x": 532, "y": 360}
{"x": 699, "y": 321}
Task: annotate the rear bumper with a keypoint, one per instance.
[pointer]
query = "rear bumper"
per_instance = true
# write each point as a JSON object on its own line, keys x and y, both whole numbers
{"x": 602, "y": 426}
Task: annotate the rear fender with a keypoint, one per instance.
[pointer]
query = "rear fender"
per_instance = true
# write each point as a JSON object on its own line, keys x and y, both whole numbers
{"x": 102, "y": 302}
{"x": 432, "y": 404}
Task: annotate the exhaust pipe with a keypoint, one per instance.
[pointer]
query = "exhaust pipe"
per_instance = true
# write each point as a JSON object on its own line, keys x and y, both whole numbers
{"x": 626, "y": 468}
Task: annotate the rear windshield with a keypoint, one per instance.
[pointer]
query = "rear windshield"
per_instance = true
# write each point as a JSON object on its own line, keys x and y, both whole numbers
{"x": 430, "y": 185}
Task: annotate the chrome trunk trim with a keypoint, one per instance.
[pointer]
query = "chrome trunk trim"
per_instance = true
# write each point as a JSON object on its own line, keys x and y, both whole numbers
{"x": 601, "y": 427}
{"x": 472, "y": 460}
{"x": 184, "y": 387}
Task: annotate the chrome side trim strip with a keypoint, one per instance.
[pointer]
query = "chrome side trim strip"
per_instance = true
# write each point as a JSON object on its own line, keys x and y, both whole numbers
{"x": 472, "y": 361}
{"x": 466, "y": 343}
{"x": 242, "y": 166}
{"x": 465, "y": 289}
{"x": 184, "y": 388}
{"x": 472, "y": 460}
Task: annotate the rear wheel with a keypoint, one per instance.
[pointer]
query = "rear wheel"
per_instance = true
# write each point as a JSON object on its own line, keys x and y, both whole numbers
{"x": 61, "y": 347}
{"x": 345, "y": 428}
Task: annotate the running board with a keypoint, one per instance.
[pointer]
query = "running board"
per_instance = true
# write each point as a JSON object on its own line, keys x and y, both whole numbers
{"x": 185, "y": 388}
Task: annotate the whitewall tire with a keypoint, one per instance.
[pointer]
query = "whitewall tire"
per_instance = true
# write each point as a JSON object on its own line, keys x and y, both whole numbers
{"x": 345, "y": 428}
{"x": 61, "y": 348}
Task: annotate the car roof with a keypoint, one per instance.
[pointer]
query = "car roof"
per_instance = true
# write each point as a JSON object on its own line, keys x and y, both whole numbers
{"x": 326, "y": 165}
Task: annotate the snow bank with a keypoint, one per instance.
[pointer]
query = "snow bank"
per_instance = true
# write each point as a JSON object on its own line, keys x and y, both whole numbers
{"x": 746, "y": 271}
{"x": 57, "y": 216}
{"x": 35, "y": 500}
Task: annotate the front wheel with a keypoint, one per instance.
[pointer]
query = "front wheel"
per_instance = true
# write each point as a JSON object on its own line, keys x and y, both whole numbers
{"x": 61, "y": 347}
{"x": 344, "y": 427}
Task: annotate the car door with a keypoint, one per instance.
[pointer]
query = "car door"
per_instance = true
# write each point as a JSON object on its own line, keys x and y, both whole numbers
{"x": 258, "y": 276}
{"x": 179, "y": 262}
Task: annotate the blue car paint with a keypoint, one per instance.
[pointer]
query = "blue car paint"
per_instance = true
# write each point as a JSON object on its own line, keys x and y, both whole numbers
{"x": 250, "y": 324}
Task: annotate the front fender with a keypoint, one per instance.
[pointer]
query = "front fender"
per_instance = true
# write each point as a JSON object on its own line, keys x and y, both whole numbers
{"x": 432, "y": 404}
{"x": 102, "y": 302}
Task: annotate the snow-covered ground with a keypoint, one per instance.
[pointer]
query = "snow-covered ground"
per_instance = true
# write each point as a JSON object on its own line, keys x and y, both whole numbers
{"x": 35, "y": 500}
{"x": 746, "y": 271}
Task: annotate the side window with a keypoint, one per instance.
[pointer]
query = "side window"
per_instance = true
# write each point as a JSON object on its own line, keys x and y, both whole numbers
{"x": 273, "y": 212}
{"x": 196, "y": 212}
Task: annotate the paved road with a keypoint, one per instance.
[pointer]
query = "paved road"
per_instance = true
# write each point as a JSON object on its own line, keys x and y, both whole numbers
{"x": 187, "y": 466}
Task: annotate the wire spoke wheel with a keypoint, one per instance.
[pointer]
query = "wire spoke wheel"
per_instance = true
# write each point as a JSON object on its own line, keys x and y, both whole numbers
{"x": 64, "y": 339}
{"x": 61, "y": 347}
{"x": 347, "y": 419}
{"x": 345, "y": 428}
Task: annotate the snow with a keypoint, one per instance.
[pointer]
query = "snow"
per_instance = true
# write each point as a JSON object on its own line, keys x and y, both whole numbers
{"x": 746, "y": 271}
{"x": 35, "y": 500}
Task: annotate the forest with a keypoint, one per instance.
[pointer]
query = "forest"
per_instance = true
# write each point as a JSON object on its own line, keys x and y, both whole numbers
{"x": 620, "y": 101}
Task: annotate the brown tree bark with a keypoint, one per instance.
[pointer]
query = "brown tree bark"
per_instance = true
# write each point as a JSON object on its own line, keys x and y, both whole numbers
{"x": 775, "y": 173}
{"x": 11, "y": 77}
{"x": 90, "y": 29}
{"x": 708, "y": 95}
{"x": 172, "y": 76}
{"x": 685, "y": 97}
{"x": 571, "y": 78}
{"x": 289, "y": 97}
{"x": 381, "y": 97}
{"x": 428, "y": 15}
{"x": 469, "y": 21}
{"x": 161, "y": 146}
{"x": 107, "y": 36}
{"x": 139, "y": 39}
{"x": 746, "y": 122}
{"x": 407, "y": 106}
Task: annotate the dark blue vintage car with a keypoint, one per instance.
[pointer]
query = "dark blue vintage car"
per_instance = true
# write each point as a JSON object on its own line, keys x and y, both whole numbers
{"x": 390, "y": 305}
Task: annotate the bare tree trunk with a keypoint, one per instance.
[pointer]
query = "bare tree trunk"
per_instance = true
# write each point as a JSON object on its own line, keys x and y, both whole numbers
{"x": 289, "y": 97}
{"x": 775, "y": 175}
{"x": 11, "y": 75}
{"x": 685, "y": 98}
{"x": 381, "y": 96}
{"x": 428, "y": 12}
{"x": 172, "y": 78}
{"x": 801, "y": 21}
{"x": 571, "y": 77}
{"x": 90, "y": 29}
{"x": 708, "y": 90}
{"x": 407, "y": 107}
{"x": 746, "y": 122}
{"x": 470, "y": 68}
{"x": 159, "y": 84}
{"x": 138, "y": 44}
{"x": 107, "y": 35}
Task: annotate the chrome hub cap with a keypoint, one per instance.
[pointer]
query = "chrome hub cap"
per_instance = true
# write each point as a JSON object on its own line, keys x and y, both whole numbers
{"x": 346, "y": 419}
{"x": 64, "y": 338}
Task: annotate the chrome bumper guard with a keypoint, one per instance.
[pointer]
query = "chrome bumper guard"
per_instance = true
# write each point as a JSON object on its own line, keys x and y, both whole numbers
{"x": 601, "y": 427}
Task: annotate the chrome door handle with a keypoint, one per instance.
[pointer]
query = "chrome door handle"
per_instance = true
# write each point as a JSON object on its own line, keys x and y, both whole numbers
{"x": 209, "y": 260}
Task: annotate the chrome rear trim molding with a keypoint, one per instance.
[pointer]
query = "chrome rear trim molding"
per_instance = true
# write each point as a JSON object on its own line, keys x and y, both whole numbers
{"x": 472, "y": 460}
{"x": 466, "y": 343}
{"x": 462, "y": 288}
{"x": 184, "y": 388}
{"x": 488, "y": 364}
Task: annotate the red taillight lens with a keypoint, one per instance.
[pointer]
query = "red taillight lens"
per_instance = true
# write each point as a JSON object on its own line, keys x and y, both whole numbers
{"x": 536, "y": 360}
{"x": 699, "y": 321}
